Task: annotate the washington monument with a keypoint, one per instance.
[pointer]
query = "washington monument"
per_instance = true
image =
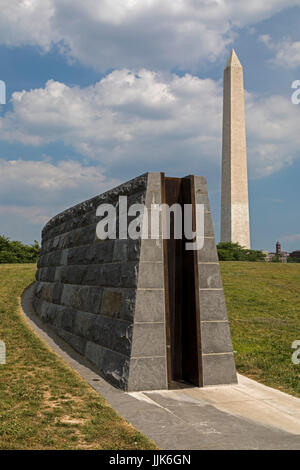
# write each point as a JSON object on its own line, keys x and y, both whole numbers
{"x": 234, "y": 203}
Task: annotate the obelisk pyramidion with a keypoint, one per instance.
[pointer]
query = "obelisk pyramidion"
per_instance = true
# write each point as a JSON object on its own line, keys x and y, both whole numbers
{"x": 234, "y": 203}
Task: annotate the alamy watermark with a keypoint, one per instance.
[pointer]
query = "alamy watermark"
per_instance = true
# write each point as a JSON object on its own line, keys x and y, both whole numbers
{"x": 2, "y": 92}
{"x": 296, "y": 353}
{"x": 2, "y": 353}
{"x": 296, "y": 95}
{"x": 160, "y": 221}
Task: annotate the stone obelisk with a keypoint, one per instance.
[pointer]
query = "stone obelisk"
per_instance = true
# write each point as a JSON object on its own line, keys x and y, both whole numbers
{"x": 234, "y": 203}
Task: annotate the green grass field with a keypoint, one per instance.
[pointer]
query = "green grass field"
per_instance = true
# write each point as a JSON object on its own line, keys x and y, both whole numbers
{"x": 45, "y": 405}
{"x": 263, "y": 303}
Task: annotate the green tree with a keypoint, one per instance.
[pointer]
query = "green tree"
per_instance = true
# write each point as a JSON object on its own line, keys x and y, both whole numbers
{"x": 228, "y": 251}
{"x": 17, "y": 252}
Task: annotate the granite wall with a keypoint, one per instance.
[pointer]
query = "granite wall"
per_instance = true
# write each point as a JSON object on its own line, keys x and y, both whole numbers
{"x": 106, "y": 298}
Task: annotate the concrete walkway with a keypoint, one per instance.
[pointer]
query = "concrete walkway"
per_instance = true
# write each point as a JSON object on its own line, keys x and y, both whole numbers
{"x": 244, "y": 416}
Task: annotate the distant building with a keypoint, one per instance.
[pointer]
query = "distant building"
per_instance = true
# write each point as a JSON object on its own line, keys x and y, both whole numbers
{"x": 281, "y": 255}
{"x": 278, "y": 248}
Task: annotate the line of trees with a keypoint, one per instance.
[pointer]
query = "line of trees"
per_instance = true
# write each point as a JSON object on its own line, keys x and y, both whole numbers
{"x": 17, "y": 252}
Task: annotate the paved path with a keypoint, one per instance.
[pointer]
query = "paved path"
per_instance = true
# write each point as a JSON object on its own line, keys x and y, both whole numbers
{"x": 244, "y": 416}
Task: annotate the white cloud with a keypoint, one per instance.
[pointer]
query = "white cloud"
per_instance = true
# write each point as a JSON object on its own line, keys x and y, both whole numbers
{"x": 287, "y": 52}
{"x": 132, "y": 33}
{"x": 129, "y": 118}
{"x": 31, "y": 192}
{"x": 27, "y": 22}
{"x": 273, "y": 137}
{"x": 33, "y": 214}
{"x": 122, "y": 119}
{"x": 38, "y": 190}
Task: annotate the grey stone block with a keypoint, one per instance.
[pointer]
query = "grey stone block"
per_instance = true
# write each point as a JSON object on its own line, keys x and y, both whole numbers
{"x": 95, "y": 354}
{"x": 150, "y": 305}
{"x": 78, "y": 237}
{"x": 128, "y": 305}
{"x": 201, "y": 194}
{"x": 149, "y": 339}
{"x": 64, "y": 257}
{"x": 136, "y": 198}
{"x": 49, "y": 274}
{"x": 50, "y": 313}
{"x": 148, "y": 373}
{"x": 203, "y": 199}
{"x": 215, "y": 337}
{"x": 55, "y": 243}
{"x": 153, "y": 196}
{"x": 44, "y": 290}
{"x": 37, "y": 286}
{"x": 41, "y": 261}
{"x": 110, "y": 275}
{"x": 83, "y": 298}
{"x": 37, "y": 305}
{"x": 153, "y": 182}
{"x": 102, "y": 275}
{"x": 38, "y": 274}
{"x": 219, "y": 369}
{"x": 133, "y": 250}
{"x": 72, "y": 274}
{"x": 82, "y": 323}
{"x": 151, "y": 275}
{"x": 67, "y": 319}
{"x": 200, "y": 185}
{"x": 64, "y": 241}
{"x": 209, "y": 276}
{"x": 82, "y": 220}
{"x": 112, "y": 302}
{"x": 53, "y": 259}
{"x": 120, "y": 252}
{"x": 97, "y": 253}
{"x": 112, "y": 366}
{"x": 129, "y": 274}
{"x": 208, "y": 225}
{"x": 58, "y": 272}
{"x": 151, "y": 250}
{"x": 212, "y": 305}
{"x": 79, "y": 344}
{"x": 57, "y": 292}
{"x": 111, "y": 333}
{"x": 209, "y": 251}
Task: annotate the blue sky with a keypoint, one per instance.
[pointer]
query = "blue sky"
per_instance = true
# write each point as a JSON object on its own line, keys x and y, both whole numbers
{"x": 99, "y": 92}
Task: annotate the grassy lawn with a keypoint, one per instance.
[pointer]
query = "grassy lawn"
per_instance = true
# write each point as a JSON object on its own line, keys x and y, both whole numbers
{"x": 263, "y": 302}
{"x": 43, "y": 403}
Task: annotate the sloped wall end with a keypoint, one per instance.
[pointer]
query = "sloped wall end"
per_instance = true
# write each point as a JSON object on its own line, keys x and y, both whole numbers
{"x": 218, "y": 365}
{"x": 148, "y": 364}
